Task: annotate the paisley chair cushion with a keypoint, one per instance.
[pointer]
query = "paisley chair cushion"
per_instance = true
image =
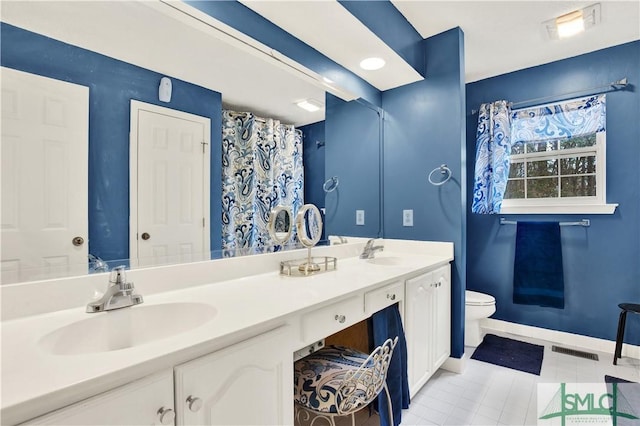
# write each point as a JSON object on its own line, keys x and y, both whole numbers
{"x": 319, "y": 376}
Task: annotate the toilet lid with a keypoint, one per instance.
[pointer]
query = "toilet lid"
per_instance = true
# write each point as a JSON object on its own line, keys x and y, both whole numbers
{"x": 473, "y": 298}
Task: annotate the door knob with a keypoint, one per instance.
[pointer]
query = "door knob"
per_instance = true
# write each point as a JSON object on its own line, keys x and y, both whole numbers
{"x": 194, "y": 404}
{"x": 77, "y": 241}
{"x": 340, "y": 318}
{"x": 145, "y": 236}
{"x": 166, "y": 416}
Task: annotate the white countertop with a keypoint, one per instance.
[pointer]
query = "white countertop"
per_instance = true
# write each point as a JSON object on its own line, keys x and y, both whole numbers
{"x": 35, "y": 381}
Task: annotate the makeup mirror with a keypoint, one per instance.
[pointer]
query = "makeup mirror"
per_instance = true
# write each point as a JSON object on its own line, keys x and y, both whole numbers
{"x": 309, "y": 225}
{"x": 280, "y": 224}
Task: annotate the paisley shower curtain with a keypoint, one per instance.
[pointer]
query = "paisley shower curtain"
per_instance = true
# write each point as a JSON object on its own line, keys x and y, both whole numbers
{"x": 261, "y": 168}
{"x": 493, "y": 148}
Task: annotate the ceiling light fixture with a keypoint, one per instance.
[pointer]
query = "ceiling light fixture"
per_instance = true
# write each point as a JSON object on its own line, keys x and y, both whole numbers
{"x": 310, "y": 105}
{"x": 574, "y": 22}
{"x": 372, "y": 64}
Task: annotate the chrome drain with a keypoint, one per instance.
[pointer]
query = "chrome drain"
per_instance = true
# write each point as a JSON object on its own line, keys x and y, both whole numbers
{"x": 575, "y": 352}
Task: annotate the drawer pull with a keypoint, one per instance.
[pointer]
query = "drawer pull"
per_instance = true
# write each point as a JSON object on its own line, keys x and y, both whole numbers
{"x": 166, "y": 416}
{"x": 340, "y": 318}
{"x": 391, "y": 296}
{"x": 194, "y": 403}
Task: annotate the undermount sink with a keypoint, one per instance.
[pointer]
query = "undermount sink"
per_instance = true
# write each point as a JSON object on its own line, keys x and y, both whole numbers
{"x": 127, "y": 327}
{"x": 388, "y": 261}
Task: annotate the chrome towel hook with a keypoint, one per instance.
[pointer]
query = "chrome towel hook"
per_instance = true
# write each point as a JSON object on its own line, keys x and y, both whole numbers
{"x": 444, "y": 170}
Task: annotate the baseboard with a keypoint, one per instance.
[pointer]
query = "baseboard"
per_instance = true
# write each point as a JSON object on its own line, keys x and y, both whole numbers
{"x": 560, "y": 337}
{"x": 455, "y": 365}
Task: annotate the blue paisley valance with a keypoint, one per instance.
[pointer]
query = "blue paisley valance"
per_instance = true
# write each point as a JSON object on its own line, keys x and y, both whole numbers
{"x": 499, "y": 129}
{"x": 560, "y": 120}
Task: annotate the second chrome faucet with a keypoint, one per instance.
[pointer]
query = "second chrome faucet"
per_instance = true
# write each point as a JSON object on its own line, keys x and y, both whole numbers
{"x": 370, "y": 250}
{"x": 119, "y": 294}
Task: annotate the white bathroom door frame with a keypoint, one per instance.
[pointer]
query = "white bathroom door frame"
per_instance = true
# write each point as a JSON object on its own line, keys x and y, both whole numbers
{"x": 138, "y": 108}
{"x": 45, "y": 145}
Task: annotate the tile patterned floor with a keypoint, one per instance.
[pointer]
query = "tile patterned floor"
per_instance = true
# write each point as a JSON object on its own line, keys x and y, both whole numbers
{"x": 486, "y": 394}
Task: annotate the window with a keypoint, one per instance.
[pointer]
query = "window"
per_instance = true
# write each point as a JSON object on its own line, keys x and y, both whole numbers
{"x": 558, "y": 160}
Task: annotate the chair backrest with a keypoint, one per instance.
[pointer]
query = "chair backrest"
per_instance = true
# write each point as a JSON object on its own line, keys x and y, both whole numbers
{"x": 363, "y": 385}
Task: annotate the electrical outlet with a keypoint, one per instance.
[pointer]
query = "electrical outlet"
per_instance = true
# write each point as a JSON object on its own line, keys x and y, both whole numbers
{"x": 407, "y": 217}
{"x": 359, "y": 217}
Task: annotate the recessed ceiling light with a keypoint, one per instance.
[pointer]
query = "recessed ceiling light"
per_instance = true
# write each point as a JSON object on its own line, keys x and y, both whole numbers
{"x": 574, "y": 22}
{"x": 310, "y": 105}
{"x": 372, "y": 64}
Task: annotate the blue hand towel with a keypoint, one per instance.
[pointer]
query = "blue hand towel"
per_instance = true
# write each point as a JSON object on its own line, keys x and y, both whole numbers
{"x": 388, "y": 324}
{"x": 538, "y": 278}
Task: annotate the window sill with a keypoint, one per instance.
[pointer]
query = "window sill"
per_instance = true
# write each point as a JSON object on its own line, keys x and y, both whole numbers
{"x": 561, "y": 209}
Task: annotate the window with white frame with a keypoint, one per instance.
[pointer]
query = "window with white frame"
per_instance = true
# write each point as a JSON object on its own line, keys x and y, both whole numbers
{"x": 558, "y": 159}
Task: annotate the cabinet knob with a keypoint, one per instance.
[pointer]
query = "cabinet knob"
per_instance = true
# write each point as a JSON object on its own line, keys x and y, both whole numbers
{"x": 340, "y": 318}
{"x": 166, "y": 416}
{"x": 193, "y": 403}
{"x": 391, "y": 296}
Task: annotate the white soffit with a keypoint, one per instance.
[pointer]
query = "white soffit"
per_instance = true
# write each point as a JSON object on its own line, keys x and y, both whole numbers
{"x": 333, "y": 31}
{"x": 506, "y": 36}
{"x": 156, "y": 36}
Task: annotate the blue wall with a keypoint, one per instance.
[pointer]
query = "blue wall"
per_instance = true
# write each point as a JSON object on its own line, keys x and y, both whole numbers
{"x": 313, "y": 161}
{"x": 352, "y": 150}
{"x": 602, "y": 262}
{"x": 424, "y": 127}
{"x": 112, "y": 84}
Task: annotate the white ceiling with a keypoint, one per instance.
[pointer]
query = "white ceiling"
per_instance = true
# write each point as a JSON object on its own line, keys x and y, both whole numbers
{"x": 500, "y": 37}
{"x": 335, "y": 32}
{"x": 505, "y": 36}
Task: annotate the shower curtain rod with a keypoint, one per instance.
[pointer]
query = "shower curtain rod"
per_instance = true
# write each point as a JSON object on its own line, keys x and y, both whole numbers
{"x": 609, "y": 87}
{"x": 583, "y": 222}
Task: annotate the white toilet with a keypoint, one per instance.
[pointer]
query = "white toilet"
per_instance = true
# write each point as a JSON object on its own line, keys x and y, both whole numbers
{"x": 477, "y": 307}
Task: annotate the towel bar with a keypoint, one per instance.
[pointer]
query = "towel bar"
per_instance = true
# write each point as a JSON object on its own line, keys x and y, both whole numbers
{"x": 583, "y": 222}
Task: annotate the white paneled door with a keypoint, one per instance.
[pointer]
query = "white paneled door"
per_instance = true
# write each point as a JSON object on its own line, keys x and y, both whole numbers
{"x": 169, "y": 185}
{"x": 45, "y": 134}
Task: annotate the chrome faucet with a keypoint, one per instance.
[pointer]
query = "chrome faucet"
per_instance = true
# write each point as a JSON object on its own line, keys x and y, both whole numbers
{"x": 119, "y": 293}
{"x": 370, "y": 250}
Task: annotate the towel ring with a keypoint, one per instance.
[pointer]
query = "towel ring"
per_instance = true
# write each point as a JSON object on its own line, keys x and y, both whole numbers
{"x": 331, "y": 184}
{"x": 444, "y": 170}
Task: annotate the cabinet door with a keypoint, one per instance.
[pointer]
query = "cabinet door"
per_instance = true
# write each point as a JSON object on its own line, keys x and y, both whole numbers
{"x": 248, "y": 383}
{"x": 441, "y": 342}
{"x": 147, "y": 401}
{"x": 418, "y": 316}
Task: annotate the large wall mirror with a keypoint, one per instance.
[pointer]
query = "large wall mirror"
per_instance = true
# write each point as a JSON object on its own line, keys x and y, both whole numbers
{"x": 109, "y": 48}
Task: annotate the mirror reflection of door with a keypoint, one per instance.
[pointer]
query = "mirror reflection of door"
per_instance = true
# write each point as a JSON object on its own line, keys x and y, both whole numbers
{"x": 170, "y": 160}
{"x": 45, "y": 134}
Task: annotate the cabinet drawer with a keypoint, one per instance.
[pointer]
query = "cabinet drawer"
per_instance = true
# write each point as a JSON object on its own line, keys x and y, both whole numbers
{"x": 379, "y": 299}
{"x": 330, "y": 319}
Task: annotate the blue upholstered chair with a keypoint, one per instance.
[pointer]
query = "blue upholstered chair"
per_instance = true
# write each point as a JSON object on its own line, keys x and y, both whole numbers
{"x": 339, "y": 381}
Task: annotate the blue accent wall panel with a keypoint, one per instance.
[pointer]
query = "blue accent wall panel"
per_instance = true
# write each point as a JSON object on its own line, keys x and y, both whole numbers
{"x": 424, "y": 127}
{"x": 240, "y": 17}
{"x": 314, "y": 163}
{"x": 112, "y": 84}
{"x": 352, "y": 150}
{"x": 601, "y": 263}
{"x": 385, "y": 21}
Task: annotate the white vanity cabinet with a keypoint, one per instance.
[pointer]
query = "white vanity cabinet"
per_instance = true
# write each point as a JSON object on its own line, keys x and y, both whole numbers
{"x": 427, "y": 324}
{"x": 248, "y": 383}
{"x": 148, "y": 401}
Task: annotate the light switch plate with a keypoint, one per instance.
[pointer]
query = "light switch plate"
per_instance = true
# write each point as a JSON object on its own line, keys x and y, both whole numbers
{"x": 359, "y": 217}
{"x": 407, "y": 217}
